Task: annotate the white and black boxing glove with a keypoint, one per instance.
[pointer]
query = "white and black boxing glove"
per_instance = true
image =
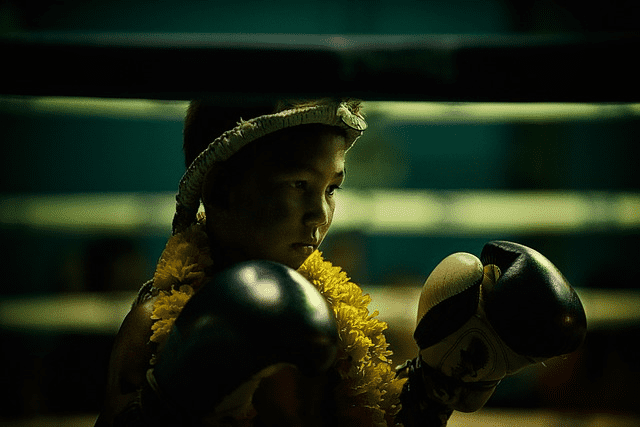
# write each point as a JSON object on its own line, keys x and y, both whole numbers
{"x": 242, "y": 326}
{"x": 480, "y": 320}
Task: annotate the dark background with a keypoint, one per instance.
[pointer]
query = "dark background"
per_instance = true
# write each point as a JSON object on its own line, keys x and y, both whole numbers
{"x": 47, "y": 372}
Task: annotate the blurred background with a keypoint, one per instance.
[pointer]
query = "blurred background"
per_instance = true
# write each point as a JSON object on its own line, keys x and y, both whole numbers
{"x": 87, "y": 190}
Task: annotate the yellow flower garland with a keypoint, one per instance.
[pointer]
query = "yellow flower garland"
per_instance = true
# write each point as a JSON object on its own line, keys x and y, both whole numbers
{"x": 368, "y": 394}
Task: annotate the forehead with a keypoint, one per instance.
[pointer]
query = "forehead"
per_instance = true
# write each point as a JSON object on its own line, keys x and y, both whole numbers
{"x": 305, "y": 150}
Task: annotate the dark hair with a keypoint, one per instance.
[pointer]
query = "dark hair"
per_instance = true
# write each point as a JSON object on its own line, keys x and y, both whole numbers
{"x": 205, "y": 121}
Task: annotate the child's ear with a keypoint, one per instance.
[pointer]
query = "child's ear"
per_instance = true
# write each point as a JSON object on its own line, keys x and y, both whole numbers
{"x": 216, "y": 188}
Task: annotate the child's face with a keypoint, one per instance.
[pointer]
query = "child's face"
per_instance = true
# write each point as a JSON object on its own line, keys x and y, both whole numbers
{"x": 283, "y": 208}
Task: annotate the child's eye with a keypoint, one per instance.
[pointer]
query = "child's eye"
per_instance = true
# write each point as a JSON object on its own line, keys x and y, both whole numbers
{"x": 301, "y": 185}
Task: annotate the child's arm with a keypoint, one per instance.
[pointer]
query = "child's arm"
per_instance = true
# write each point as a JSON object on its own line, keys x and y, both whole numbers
{"x": 129, "y": 361}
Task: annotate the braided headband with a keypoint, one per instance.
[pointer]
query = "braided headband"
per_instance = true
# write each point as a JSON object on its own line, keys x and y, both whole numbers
{"x": 339, "y": 114}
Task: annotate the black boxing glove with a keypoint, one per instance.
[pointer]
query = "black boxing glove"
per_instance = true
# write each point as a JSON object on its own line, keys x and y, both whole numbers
{"x": 242, "y": 326}
{"x": 480, "y": 320}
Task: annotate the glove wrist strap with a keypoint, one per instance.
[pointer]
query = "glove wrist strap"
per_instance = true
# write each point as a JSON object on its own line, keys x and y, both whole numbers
{"x": 420, "y": 406}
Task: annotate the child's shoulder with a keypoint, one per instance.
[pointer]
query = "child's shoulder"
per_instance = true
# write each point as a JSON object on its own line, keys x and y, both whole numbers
{"x": 135, "y": 332}
{"x": 130, "y": 356}
{"x": 132, "y": 348}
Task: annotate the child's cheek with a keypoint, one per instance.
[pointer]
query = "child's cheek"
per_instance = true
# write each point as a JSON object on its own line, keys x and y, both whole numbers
{"x": 281, "y": 209}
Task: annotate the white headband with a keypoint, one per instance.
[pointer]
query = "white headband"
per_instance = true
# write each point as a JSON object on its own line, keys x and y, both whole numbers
{"x": 333, "y": 114}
